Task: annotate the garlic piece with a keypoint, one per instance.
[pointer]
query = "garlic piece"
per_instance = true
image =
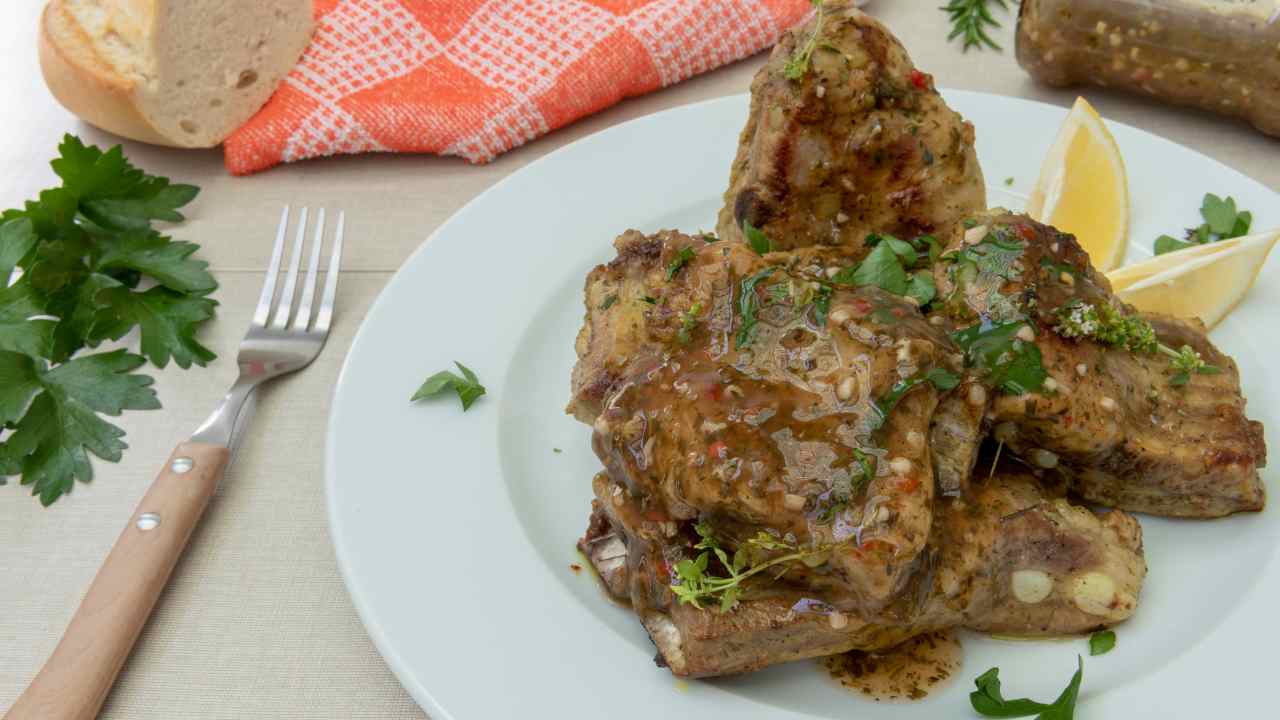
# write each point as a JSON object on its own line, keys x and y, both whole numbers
{"x": 1030, "y": 586}
{"x": 1094, "y": 593}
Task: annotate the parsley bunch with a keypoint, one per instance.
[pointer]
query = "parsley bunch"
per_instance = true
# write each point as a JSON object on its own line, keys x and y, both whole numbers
{"x": 81, "y": 265}
{"x": 1221, "y": 222}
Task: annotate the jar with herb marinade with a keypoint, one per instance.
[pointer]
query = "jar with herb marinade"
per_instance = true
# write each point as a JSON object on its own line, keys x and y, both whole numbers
{"x": 1219, "y": 55}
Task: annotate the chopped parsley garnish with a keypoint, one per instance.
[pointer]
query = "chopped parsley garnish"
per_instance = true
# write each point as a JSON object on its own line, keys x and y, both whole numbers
{"x": 941, "y": 378}
{"x": 838, "y": 498}
{"x": 1102, "y": 642}
{"x": 688, "y": 321}
{"x": 1108, "y": 326}
{"x": 798, "y": 64}
{"x": 709, "y": 238}
{"x": 989, "y": 702}
{"x": 1008, "y": 182}
{"x": 822, "y": 304}
{"x": 970, "y": 20}
{"x": 697, "y": 586}
{"x": 896, "y": 266}
{"x": 608, "y": 302}
{"x": 649, "y": 299}
{"x": 467, "y": 386}
{"x": 1222, "y": 221}
{"x": 747, "y": 305}
{"x": 756, "y": 238}
{"x": 1007, "y": 361}
{"x": 682, "y": 258}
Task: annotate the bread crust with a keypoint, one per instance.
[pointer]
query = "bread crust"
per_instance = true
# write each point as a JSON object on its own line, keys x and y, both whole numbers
{"x": 92, "y": 90}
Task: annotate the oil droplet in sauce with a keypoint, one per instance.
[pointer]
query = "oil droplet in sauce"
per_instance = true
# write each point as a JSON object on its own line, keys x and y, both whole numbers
{"x": 909, "y": 671}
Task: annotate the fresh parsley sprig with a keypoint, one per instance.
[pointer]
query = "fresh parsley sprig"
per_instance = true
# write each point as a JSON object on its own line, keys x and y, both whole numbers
{"x": 84, "y": 249}
{"x": 989, "y": 702}
{"x": 1004, "y": 355}
{"x": 467, "y": 386}
{"x": 970, "y": 20}
{"x": 897, "y": 266}
{"x": 682, "y": 258}
{"x": 940, "y": 378}
{"x": 1222, "y": 221}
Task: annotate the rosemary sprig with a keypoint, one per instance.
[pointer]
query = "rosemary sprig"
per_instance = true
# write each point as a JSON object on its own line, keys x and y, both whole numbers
{"x": 970, "y": 19}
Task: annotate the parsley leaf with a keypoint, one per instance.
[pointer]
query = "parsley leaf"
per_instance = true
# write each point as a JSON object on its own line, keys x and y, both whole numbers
{"x": 880, "y": 268}
{"x": 747, "y": 305}
{"x": 1222, "y": 221}
{"x": 756, "y": 238}
{"x": 989, "y": 702}
{"x": 17, "y": 239}
{"x": 682, "y": 258}
{"x": 167, "y": 320}
{"x": 21, "y": 329}
{"x": 467, "y": 386}
{"x": 60, "y": 425}
{"x": 940, "y": 377}
{"x": 920, "y": 287}
{"x": 1009, "y": 362}
{"x": 1102, "y": 642}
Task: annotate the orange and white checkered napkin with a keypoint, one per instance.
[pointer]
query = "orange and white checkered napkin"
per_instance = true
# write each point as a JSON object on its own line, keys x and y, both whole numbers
{"x": 476, "y": 78}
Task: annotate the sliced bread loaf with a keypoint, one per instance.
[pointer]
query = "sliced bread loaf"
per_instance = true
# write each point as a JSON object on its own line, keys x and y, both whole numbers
{"x": 183, "y": 73}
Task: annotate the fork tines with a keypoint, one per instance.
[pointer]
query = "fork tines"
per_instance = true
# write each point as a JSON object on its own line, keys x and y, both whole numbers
{"x": 284, "y": 304}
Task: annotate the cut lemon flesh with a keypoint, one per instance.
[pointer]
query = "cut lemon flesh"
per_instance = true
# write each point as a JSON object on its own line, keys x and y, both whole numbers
{"x": 1082, "y": 188}
{"x": 1207, "y": 286}
{"x": 1137, "y": 272}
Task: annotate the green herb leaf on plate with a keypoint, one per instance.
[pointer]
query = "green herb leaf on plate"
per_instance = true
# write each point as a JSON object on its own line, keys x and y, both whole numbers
{"x": 756, "y": 238}
{"x": 988, "y": 701}
{"x": 467, "y": 386}
{"x": 1102, "y": 642}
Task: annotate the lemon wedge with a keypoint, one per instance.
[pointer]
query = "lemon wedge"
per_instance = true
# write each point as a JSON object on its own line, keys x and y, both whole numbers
{"x": 1082, "y": 188}
{"x": 1205, "y": 282}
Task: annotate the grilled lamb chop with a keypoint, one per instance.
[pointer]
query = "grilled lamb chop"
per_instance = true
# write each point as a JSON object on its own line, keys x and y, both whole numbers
{"x": 855, "y": 141}
{"x": 1008, "y": 559}
{"x": 742, "y": 391}
{"x": 1115, "y": 415}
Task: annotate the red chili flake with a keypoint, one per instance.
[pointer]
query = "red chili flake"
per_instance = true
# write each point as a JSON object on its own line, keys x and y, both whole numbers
{"x": 899, "y": 312}
{"x": 655, "y": 515}
{"x": 862, "y": 306}
{"x": 1142, "y": 74}
{"x": 575, "y": 567}
{"x": 919, "y": 79}
{"x": 717, "y": 449}
{"x": 1026, "y": 232}
{"x": 715, "y": 391}
{"x": 909, "y": 484}
{"x": 1067, "y": 419}
{"x": 664, "y": 568}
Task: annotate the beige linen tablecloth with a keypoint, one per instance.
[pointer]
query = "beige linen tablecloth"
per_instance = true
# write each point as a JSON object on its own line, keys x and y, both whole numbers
{"x": 257, "y": 623}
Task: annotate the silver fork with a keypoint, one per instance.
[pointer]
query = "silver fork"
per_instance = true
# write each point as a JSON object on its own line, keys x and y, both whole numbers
{"x": 282, "y": 338}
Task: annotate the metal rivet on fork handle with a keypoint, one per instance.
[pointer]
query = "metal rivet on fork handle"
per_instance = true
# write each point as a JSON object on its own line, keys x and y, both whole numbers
{"x": 148, "y": 521}
{"x": 182, "y": 465}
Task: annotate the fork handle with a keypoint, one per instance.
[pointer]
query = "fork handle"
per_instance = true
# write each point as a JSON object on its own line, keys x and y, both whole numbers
{"x": 75, "y": 680}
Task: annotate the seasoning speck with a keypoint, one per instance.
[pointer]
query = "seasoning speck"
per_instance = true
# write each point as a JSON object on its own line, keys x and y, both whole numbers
{"x": 575, "y": 567}
{"x": 556, "y": 450}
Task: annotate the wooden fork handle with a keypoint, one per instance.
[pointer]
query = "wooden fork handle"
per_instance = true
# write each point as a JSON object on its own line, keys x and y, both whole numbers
{"x": 75, "y": 681}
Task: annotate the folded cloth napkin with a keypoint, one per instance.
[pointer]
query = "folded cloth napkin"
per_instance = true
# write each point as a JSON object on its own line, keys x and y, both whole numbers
{"x": 476, "y": 78}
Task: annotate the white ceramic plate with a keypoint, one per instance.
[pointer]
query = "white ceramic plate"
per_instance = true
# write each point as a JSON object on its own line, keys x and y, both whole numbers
{"x": 455, "y": 532}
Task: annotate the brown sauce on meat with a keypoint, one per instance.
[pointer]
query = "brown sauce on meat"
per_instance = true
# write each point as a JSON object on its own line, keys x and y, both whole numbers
{"x": 909, "y": 671}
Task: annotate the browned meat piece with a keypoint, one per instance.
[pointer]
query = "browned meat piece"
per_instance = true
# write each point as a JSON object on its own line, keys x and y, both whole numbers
{"x": 1121, "y": 423}
{"x": 860, "y": 142}
{"x": 743, "y": 392}
{"x": 1008, "y": 559}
